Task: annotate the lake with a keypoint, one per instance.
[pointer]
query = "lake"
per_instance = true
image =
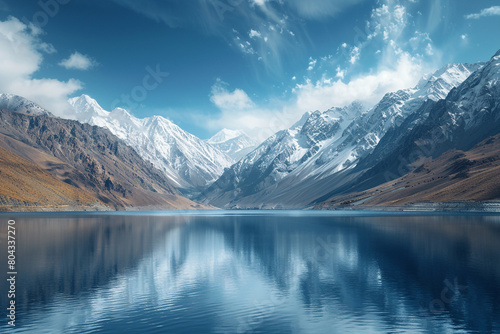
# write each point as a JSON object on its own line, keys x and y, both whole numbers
{"x": 254, "y": 272}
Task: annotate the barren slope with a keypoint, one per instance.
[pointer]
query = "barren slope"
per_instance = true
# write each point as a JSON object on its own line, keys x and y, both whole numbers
{"x": 471, "y": 176}
{"x": 89, "y": 158}
{"x": 22, "y": 183}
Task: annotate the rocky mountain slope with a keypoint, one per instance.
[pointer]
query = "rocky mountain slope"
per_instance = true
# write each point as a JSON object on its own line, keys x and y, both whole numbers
{"x": 462, "y": 176}
{"x": 280, "y": 155}
{"x": 89, "y": 158}
{"x": 468, "y": 115}
{"x": 189, "y": 162}
{"x": 451, "y": 154}
{"x": 24, "y": 184}
{"x": 320, "y": 153}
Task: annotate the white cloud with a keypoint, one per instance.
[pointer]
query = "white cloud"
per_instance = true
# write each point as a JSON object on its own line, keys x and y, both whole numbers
{"x": 78, "y": 61}
{"x": 312, "y": 64}
{"x": 283, "y": 35}
{"x": 388, "y": 20}
{"x": 231, "y": 101}
{"x": 464, "y": 36}
{"x": 21, "y": 55}
{"x": 355, "y": 54}
{"x": 403, "y": 56}
{"x": 491, "y": 11}
{"x": 389, "y": 33}
{"x": 259, "y": 2}
{"x": 368, "y": 88}
{"x": 340, "y": 73}
{"x": 238, "y": 111}
{"x": 254, "y": 33}
{"x": 246, "y": 47}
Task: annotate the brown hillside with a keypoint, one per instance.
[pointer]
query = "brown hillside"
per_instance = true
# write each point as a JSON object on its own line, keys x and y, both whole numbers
{"x": 90, "y": 158}
{"x": 470, "y": 176}
{"x": 22, "y": 183}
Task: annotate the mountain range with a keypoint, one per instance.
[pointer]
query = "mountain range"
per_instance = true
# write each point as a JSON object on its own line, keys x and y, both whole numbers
{"x": 49, "y": 162}
{"x": 187, "y": 161}
{"x": 235, "y": 143}
{"x": 319, "y": 154}
{"x": 437, "y": 141}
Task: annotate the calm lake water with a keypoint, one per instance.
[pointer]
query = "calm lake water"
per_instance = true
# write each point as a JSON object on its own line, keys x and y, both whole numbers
{"x": 274, "y": 272}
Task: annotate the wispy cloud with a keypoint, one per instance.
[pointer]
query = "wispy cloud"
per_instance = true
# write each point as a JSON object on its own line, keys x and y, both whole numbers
{"x": 21, "y": 52}
{"x": 398, "y": 53}
{"x": 269, "y": 31}
{"x": 312, "y": 64}
{"x": 238, "y": 111}
{"x": 78, "y": 61}
{"x": 491, "y": 11}
{"x": 318, "y": 9}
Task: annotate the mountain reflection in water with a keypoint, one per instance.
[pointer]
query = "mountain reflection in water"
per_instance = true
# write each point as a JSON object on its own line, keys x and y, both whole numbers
{"x": 256, "y": 273}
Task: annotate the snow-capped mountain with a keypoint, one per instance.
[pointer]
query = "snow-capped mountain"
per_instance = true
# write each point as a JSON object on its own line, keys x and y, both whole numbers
{"x": 365, "y": 133}
{"x": 282, "y": 153}
{"x": 325, "y": 144}
{"x": 19, "y": 104}
{"x": 187, "y": 160}
{"x": 468, "y": 115}
{"x": 235, "y": 143}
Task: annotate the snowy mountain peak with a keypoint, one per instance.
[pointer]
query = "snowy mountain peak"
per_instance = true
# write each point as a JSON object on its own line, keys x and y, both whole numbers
{"x": 474, "y": 97}
{"x": 87, "y": 107}
{"x": 439, "y": 84}
{"x": 300, "y": 123}
{"x": 187, "y": 160}
{"x": 322, "y": 144}
{"x": 19, "y": 104}
{"x": 235, "y": 143}
{"x": 122, "y": 112}
{"x": 225, "y": 135}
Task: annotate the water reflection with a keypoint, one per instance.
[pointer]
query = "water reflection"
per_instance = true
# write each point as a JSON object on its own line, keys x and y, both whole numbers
{"x": 257, "y": 274}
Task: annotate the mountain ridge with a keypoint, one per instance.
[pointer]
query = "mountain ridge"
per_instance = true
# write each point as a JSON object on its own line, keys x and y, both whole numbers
{"x": 187, "y": 160}
{"x": 88, "y": 158}
{"x": 338, "y": 149}
{"x": 469, "y": 115}
{"x": 235, "y": 143}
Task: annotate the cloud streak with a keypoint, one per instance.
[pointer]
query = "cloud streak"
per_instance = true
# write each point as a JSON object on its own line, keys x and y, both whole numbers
{"x": 491, "y": 11}
{"x": 400, "y": 55}
{"x": 269, "y": 31}
{"x": 319, "y": 9}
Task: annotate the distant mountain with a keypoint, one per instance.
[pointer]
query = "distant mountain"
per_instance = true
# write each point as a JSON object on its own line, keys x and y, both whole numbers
{"x": 319, "y": 154}
{"x": 281, "y": 154}
{"x": 235, "y": 143}
{"x": 90, "y": 160}
{"x": 19, "y": 104}
{"x": 188, "y": 161}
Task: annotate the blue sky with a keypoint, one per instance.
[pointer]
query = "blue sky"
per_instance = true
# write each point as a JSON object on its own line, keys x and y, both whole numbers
{"x": 256, "y": 65}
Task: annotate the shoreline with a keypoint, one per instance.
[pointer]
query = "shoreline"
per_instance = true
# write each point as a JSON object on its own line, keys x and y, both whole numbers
{"x": 424, "y": 208}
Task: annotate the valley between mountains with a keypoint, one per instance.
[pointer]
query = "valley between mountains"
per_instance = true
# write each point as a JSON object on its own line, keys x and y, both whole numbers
{"x": 437, "y": 142}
